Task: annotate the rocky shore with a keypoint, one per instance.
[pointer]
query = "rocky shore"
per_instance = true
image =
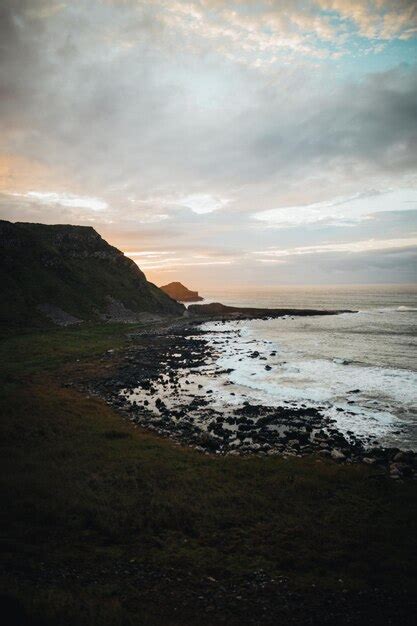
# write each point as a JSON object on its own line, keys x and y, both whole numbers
{"x": 216, "y": 310}
{"x": 162, "y": 385}
{"x": 181, "y": 506}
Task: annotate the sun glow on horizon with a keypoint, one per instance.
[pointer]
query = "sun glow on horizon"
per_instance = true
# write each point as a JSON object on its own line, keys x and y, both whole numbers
{"x": 214, "y": 140}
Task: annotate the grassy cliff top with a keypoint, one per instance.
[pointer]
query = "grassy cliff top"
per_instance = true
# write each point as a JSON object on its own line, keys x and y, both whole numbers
{"x": 69, "y": 273}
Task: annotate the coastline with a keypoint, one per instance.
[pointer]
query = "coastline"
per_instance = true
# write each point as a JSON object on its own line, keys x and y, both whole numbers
{"x": 122, "y": 517}
{"x": 217, "y": 311}
{"x": 162, "y": 386}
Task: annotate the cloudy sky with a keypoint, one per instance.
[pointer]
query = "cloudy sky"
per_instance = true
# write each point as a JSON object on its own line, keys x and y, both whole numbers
{"x": 235, "y": 142}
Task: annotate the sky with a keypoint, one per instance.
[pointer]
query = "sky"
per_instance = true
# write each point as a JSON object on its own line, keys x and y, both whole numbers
{"x": 219, "y": 143}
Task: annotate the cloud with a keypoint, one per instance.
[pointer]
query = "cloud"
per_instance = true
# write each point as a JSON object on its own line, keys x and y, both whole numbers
{"x": 377, "y": 19}
{"x": 155, "y": 115}
{"x": 341, "y": 211}
{"x": 66, "y": 200}
{"x": 374, "y": 266}
{"x": 351, "y": 246}
{"x": 169, "y": 125}
{"x": 203, "y": 203}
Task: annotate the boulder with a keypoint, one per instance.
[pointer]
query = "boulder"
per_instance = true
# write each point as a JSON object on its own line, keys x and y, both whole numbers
{"x": 337, "y": 455}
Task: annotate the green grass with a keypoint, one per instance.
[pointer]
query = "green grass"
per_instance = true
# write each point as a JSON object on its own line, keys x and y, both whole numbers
{"x": 35, "y": 351}
{"x": 82, "y": 488}
{"x": 70, "y": 267}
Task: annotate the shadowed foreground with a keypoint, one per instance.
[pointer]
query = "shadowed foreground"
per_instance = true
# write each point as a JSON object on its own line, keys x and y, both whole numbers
{"x": 105, "y": 524}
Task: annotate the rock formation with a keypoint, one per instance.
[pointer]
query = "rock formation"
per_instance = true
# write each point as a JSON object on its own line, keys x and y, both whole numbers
{"x": 179, "y": 292}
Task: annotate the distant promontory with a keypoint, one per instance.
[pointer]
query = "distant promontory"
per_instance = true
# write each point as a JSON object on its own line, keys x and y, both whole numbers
{"x": 177, "y": 291}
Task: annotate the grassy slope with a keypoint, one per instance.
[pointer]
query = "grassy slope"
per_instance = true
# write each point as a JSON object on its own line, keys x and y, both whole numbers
{"x": 82, "y": 488}
{"x": 41, "y": 269}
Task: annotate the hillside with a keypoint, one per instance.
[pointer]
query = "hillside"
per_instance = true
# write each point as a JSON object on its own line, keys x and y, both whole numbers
{"x": 179, "y": 292}
{"x": 67, "y": 274}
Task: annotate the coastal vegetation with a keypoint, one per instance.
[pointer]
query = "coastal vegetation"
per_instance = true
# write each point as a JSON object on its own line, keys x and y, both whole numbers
{"x": 244, "y": 454}
{"x": 105, "y": 523}
{"x": 63, "y": 275}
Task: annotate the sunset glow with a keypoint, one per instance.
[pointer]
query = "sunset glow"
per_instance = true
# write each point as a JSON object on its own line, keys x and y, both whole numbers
{"x": 209, "y": 137}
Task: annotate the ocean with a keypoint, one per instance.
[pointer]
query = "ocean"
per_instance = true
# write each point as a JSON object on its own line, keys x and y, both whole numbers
{"x": 359, "y": 368}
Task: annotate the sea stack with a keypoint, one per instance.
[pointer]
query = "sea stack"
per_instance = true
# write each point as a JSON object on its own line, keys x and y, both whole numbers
{"x": 177, "y": 291}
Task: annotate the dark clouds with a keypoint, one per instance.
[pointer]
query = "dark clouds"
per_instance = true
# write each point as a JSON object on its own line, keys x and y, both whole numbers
{"x": 143, "y": 106}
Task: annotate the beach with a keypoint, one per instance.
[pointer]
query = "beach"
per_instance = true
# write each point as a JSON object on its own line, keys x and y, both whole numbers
{"x": 231, "y": 388}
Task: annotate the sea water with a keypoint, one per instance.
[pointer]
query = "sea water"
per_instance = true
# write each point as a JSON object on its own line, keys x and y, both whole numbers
{"x": 360, "y": 368}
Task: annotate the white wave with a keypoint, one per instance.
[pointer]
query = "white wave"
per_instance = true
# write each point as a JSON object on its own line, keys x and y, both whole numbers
{"x": 322, "y": 380}
{"x": 320, "y": 361}
{"x": 390, "y": 309}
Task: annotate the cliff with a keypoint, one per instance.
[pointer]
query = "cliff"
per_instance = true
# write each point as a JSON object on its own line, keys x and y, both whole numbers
{"x": 68, "y": 274}
{"x": 179, "y": 292}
